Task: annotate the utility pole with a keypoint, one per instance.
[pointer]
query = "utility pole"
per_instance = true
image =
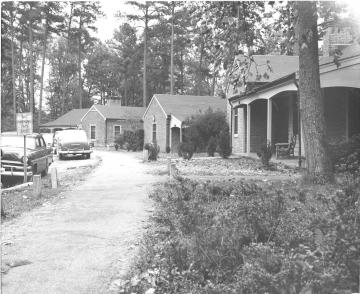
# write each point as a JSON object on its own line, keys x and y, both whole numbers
{"x": 172, "y": 50}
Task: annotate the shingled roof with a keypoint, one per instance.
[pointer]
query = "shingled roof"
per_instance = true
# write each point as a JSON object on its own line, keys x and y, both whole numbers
{"x": 120, "y": 112}
{"x": 183, "y": 106}
{"x": 69, "y": 119}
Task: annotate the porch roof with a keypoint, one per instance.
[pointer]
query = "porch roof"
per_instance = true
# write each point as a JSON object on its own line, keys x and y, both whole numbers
{"x": 346, "y": 75}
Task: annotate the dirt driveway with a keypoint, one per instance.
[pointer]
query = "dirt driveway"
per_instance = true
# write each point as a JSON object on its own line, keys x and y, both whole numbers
{"x": 84, "y": 242}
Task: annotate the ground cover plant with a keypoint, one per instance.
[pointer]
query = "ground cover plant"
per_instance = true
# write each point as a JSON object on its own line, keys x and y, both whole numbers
{"x": 251, "y": 237}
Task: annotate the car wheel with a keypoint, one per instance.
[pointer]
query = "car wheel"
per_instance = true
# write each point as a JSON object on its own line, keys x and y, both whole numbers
{"x": 87, "y": 156}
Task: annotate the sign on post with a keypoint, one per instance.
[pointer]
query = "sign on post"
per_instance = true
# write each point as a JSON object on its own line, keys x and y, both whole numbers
{"x": 24, "y": 126}
{"x": 24, "y": 123}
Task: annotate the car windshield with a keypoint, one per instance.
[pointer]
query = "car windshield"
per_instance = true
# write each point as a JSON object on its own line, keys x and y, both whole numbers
{"x": 72, "y": 136}
{"x": 17, "y": 141}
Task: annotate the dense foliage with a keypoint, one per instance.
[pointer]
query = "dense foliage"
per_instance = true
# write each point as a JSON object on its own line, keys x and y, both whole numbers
{"x": 131, "y": 140}
{"x": 202, "y": 127}
{"x": 224, "y": 147}
{"x": 153, "y": 150}
{"x": 251, "y": 237}
{"x": 346, "y": 155}
{"x": 186, "y": 150}
{"x": 265, "y": 153}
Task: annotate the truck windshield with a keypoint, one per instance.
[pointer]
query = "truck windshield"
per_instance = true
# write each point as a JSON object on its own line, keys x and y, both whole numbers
{"x": 72, "y": 136}
{"x": 17, "y": 141}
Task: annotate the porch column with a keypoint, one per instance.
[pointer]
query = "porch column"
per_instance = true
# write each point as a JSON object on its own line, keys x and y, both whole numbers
{"x": 269, "y": 120}
{"x": 181, "y": 138}
{"x": 291, "y": 118}
{"x": 347, "y": 117}
{"x": 248, "y": 120}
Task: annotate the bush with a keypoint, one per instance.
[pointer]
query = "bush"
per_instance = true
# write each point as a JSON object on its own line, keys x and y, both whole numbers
{"x": 153, "y": 150}
{"x": 167, "y": 149}
{"x": 186, "y": 150}
{"x": 211, "y": 147}
{"x": 224, "y": 147}
{"x": 131, "y": 140}
{"x": 204, "y": 126}
{"x": 265, "y": 153}
{"x": 346, "y": 155}
{"x": 251, "y": 237}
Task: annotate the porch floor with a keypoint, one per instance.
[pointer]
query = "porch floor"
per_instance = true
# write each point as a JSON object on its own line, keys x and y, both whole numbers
{"x": 292, "y": 162}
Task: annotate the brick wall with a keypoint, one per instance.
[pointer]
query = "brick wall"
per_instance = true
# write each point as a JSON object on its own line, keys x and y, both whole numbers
{"x": 160, "y": 120}
{"x": 333, "y": 39}
{"x": 94, "y": 118}
{"x": 258, "y": 124}
{"x": 128, "y": 125}
{"x": 238, "y": 141}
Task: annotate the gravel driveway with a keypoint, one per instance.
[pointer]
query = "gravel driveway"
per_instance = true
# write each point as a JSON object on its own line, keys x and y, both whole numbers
{"x": 86, "y": 241}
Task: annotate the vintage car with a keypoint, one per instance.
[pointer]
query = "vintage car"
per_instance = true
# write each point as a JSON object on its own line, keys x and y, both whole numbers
{"x": 38, "y": 155}
{"x": 72, "y": 142}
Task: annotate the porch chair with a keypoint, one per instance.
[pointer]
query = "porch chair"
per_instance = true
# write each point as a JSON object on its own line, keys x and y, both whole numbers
{"x": 286, "y": 149}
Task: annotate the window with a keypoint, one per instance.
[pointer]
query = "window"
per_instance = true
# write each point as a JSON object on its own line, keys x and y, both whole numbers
{"x": 154, "y": 133}
{"x": 92, "y": 132}
{"x": 117, "y": 131}
{"x": 236, "y": 121}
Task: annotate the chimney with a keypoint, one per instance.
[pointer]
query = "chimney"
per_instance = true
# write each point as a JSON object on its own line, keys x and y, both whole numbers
{"x": 336, "y": 38}
{"x": 113, "y": 100}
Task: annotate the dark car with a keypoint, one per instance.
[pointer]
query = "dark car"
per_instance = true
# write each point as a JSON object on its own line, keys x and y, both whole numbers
{"x": 38, "y": 155}
{"x": 72, "y": 142}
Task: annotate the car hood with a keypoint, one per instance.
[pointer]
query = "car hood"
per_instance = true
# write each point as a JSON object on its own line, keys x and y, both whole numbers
{"x": 14, "y": 153}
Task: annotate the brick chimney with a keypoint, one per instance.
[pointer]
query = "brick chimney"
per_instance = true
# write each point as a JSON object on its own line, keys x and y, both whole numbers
{"x": 114, "y": 100}
{"x": 336, "y": 38}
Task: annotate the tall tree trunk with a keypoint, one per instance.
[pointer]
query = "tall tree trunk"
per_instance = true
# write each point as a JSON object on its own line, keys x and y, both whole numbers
{"x": 182, "y": 71}
{"x": 200, "y": 67}
{"x": 13, "y": 68}
{"x": 213, "y": 83}
{"x": 145, "y": 53}
{"x": 42, "y": 72}
{"x": 21, "y": 82}
{"x": 31, "y": 69}
{"x": 318, "y": 162}
{"x": 79, "y": 62}
{"x": 172, "y": 50}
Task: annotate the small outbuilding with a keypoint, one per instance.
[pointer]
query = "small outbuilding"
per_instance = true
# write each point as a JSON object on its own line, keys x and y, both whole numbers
{"x": 70, "y": 120}
{"x": 102, "y": 123}
{"x": 165, "y": 114}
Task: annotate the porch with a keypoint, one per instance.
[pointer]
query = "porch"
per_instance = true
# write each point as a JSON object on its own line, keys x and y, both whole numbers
{"x": 275, "y": 118}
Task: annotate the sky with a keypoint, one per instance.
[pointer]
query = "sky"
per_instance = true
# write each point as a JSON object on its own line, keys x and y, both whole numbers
{"x": 108, "y": 23}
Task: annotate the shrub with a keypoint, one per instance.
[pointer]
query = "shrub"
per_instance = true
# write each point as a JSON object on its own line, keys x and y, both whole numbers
{"x": 131, "y": 140}
{"x": 345, "y": 155}
{"x": 265, "y": 153}
{"x": 211, "y": 147}
{"x": 224, "y": 147}
{"x": 120, "y": 141}
{"x": 251, "y": 237}
{"x": 153, "y": 150}
{"x": 186, "y": 150}
{"x": 167, "y": 149}
{"x": 204, "y": 126}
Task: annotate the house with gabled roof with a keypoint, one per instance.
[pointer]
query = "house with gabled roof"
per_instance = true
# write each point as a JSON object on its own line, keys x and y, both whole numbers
{"x": 268, "y": 112}
{"x": 70, "y": 120}
{"x": 165, "y": 115}
{"x": 102, "y": 123}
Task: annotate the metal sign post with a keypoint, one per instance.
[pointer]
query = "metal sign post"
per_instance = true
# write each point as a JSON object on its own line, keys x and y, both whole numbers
{"x": 24, "y": 126}
{"x": 25, "y": 161}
